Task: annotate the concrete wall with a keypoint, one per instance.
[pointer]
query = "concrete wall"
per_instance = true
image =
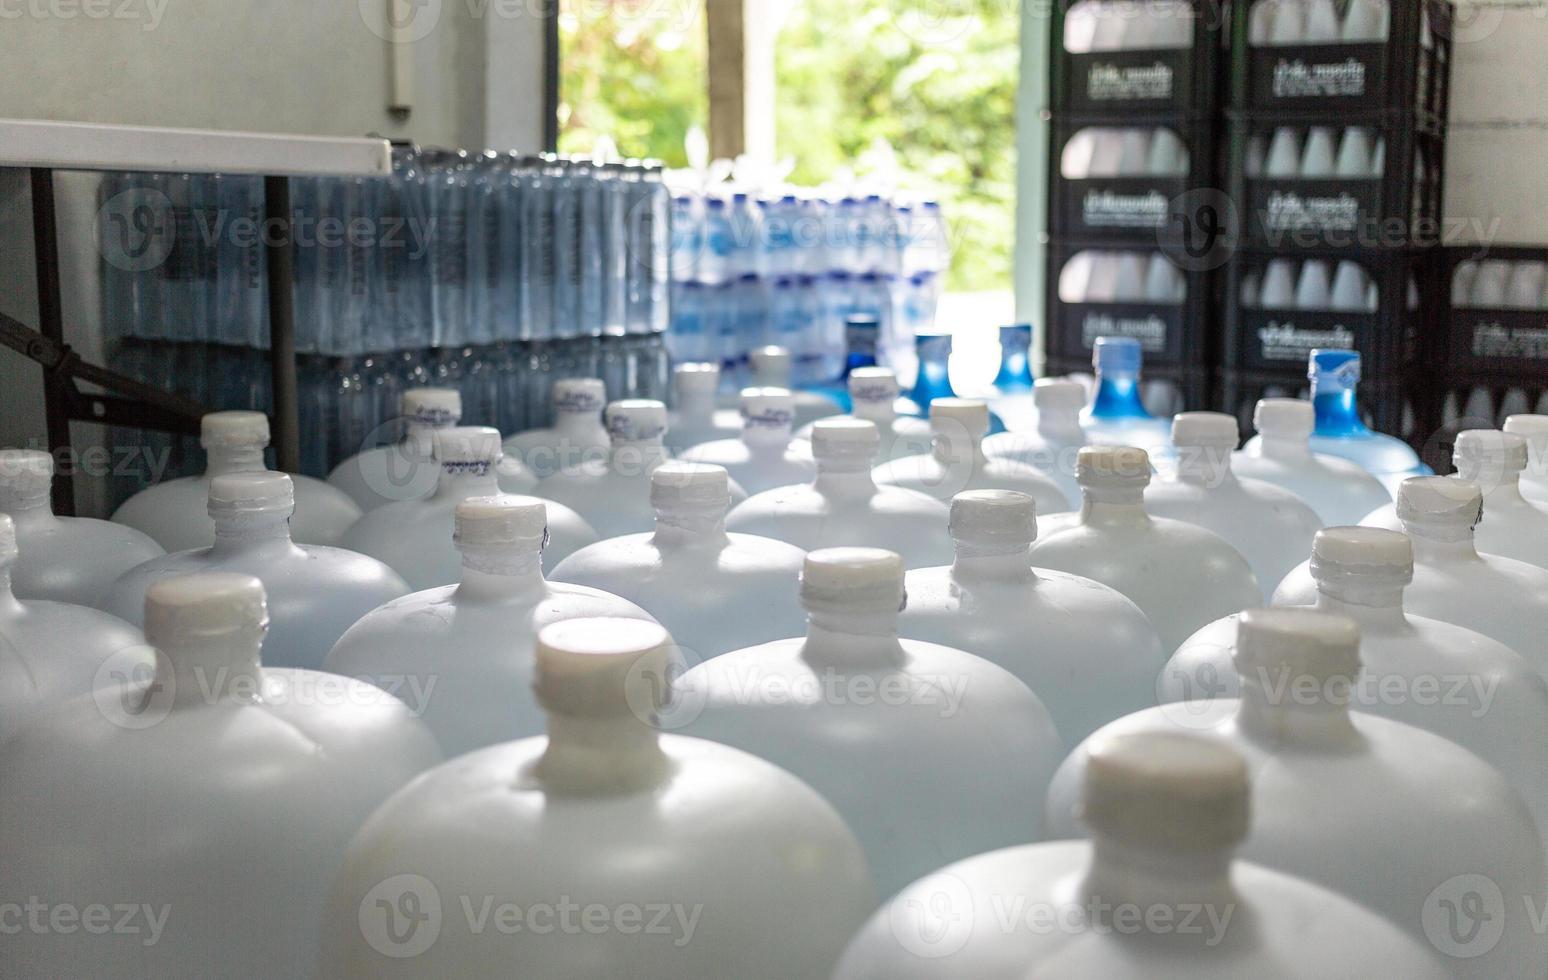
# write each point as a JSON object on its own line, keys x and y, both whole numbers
{"x": 1498, "y": 148}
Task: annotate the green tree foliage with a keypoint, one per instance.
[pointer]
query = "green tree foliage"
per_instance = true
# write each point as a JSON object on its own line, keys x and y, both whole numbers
{"x": 935, "y": 80}
{"x": 632, "y": 70}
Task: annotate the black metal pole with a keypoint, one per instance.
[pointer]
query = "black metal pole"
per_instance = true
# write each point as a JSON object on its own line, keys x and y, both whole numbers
{"x": 45, "y": 244}
{"x": 285, "y": 428}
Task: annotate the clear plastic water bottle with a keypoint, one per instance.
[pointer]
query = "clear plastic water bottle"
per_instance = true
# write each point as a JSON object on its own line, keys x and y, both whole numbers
{"x": 780, "y": 230}
{"x": 715, "y": 261}
{"x": 618, "y": 182}
{"x": 496, "y": 293}
{"x": 243, "y": 307}
{"x": 690, "y": 339}
{"x": 405, "y": 282}
{"x": 450, "y": 183}
{"x": 687, "y": 237}
{"x": 653, "y": 234}
{"x": 1116, "y": 416}
{"x": 540, "y": 246}
{"x": 747, "y": 254}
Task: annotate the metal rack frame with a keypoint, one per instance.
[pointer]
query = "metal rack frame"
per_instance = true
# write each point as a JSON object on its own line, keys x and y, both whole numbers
{"x": 42, "y": 148}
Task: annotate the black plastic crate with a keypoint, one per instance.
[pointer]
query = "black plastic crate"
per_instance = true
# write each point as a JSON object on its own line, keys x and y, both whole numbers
{"x": 1410, "y": 69}
{"x": 1399, "y": 202}
{"x": 1127, "y": 292}
{"x": 1280, "y": 306}
{"x": 1128, "y": 183}
{"x": 1167, "y": 62}
{"x": 1400, "y": 405}
{"x": 1480, "y": 401}
{"x": 1494, "y": 318}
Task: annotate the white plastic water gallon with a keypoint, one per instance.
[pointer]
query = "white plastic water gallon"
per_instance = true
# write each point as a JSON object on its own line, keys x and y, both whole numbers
{"x": 1533, "y": 428}
{"x": 1157, "y": 894}
{"x": 613, "y": 495}
{"x": 173, "y": 512}
{"x": 606, "y": 849}
{"x": 577, "y": 436}
{"x": 931, "y": 754}
{"x": 714, "y": 592}
{"x": 1181, "y": 575}
{"x": 460, "y": 656}
{"x": 1340, "y": 491}
{"x": 1512, "y": 526}
{"x": 1088, "y": 652}
{"x": 845, "y": 507}
{"x": 695, "y": 416}
{"x": 772, "y": 368}
{"x": 53, "y": 651}
{"x": 414, "y": 537}
{"x": 1399, "y": 819}
{"x": 189, "y": 819}
{"x": 956, "y": 461}
{"x": 1271, "y": 527}
{"x": 873, "y": 395}
{"x": 406, "y": 470}
{"x": 1446, "y": 679}
{"x": 765, "y": 455}
{"x": 62, "y": 559}
{"x": 1051, "y": 447}
{"x": 315, "y": 593}
{"x": 1501, "y": 598}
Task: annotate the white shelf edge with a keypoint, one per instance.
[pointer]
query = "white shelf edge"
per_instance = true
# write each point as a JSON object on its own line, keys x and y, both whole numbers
{"x": 89, "y": 146}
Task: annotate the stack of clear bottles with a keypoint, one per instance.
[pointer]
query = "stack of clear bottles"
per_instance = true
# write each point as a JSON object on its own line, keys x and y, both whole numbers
{"x": 491, "y": 273}
{"x": 788, "y": 267}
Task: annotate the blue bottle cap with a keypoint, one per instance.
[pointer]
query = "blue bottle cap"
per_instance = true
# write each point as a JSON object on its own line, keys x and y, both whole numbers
{"x": 1117, "y": 355}
{"x": 1334, "y": 369}
{"x": 1016, "y": 335}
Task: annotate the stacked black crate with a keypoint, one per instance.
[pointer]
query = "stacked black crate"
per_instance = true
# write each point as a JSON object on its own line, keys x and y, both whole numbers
{"x": 1492, "y": 340}
{"x": 1335, "y": 154}
{"x": 1133, "y": 146}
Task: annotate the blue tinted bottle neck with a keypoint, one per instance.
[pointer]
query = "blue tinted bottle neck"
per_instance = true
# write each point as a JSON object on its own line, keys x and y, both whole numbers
{"x": 1337, "y": 412}
{"x": 858, "y": 359}
{"x": 934, "y": 380}
{"x": 1015, "y": 372}
{"x": 1118, "y": 398}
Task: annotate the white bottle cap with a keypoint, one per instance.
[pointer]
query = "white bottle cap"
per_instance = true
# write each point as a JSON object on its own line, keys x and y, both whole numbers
{"x": 636, "y": 420}
{"x": 873, "y": 384}
{"x": 437, "y": 407}
{"x": 233, "y": 429}
{"x": 1289, "y": 418}
{"x": 472, "y": 449}
{"x": 993, "y": 517}
{"x": 697, "y": 378}
{"x": 1363, "y": 554}
{"x": 7, "y": 540}
{"x": 1439, "y": 501}
{"x": 25, "y": 474}
{"x": 768, "y": 408}
{"x": 841, "y": 438}
{"x": 695, "y": 486}
{"x": 1049, "y": 394}
{"x": 1498, "y": 450}
{"x": 579, "y": 396}
{"x": 601, "y": 668}
{"x": 501, "y": 520}
{"x": 1167, "y": 791}
{"x": 1297, "y": 643}
{"x": 1113, "y": 467}
{"x": 256, "y": 493}
{"x": 1205, "y": 430}
{"x": 1530, "y": 426}
{"x": 771, "y": 365}
{"x": 190, "y": 609}
{"x": 852, "y": 580}
{"x": 969, "y": 416}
